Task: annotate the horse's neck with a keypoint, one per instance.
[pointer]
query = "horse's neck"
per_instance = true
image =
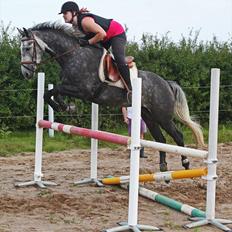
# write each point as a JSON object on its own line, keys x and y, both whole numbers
{"x": 57, "y": 41}
{"x": 75, "y": 63}
{"x": 62, "y": 44}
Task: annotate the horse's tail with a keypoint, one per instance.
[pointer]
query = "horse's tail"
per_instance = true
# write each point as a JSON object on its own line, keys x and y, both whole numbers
{"x": 182, "y": 112}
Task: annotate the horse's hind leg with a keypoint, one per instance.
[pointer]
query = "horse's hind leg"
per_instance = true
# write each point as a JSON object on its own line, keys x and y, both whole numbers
{"x": 157, "y": 135}
{"x": 171, "y": 129}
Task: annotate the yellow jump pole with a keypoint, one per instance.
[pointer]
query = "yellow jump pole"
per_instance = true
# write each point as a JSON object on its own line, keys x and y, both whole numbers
{"x": 160, "y": 176}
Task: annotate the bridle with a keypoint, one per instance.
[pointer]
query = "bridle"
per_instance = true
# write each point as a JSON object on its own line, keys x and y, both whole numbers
{"x": 34, "y": 54}
{"x": 34, "y": 59}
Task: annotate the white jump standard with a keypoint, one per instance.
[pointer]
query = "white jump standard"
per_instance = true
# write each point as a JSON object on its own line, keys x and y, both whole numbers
{"x": 39, "y": 139}
{"x": 212, "y": 159}
{"x": 134, "y": 166}
{"x": 94, "y": 148}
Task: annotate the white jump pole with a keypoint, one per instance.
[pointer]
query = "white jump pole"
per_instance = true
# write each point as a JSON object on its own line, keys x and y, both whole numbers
{"x": 134, "y": 164}
{"x": 212, "y": 159}
{"x": 50, "y": 114}
{"x": 39, "y": 138}
{"x": 175, "y": 149}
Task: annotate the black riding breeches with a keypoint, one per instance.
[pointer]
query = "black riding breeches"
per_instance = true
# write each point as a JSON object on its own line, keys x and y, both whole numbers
{"x": 118, "y": 44}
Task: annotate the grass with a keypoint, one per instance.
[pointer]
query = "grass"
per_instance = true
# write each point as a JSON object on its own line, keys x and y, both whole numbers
{"x": 19, "y": 142}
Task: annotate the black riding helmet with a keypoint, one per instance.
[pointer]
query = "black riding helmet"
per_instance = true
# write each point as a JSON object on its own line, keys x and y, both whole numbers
{"x": 69, "y": 6}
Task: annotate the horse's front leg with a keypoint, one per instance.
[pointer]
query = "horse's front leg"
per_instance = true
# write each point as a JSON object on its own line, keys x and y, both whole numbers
{"x": 57, "y": 104}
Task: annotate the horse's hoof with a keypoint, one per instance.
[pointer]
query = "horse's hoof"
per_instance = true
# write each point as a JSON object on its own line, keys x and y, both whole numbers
{"x": 185, "y": 163}
{"x": 163, "y": 167}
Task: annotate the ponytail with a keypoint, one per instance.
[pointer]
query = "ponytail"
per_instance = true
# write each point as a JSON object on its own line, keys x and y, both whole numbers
{"x": 84, "y": 10}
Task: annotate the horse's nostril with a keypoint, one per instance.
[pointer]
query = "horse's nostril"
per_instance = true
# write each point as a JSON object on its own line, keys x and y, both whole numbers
{"x": 26, "y": 75}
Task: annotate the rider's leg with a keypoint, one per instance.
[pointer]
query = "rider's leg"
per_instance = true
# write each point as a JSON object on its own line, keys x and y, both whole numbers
{"x": 125, "y": 73}
{"x": 118, "y": 44}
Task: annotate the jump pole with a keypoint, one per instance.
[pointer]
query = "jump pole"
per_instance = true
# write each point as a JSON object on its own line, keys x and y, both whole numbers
{"x": 160, "y": 176}
{"x": 119, "y": 139}
{"x": 169, "y": 202}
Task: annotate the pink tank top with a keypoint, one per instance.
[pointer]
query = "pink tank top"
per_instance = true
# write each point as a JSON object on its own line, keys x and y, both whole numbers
{"x": 114, "y": 29}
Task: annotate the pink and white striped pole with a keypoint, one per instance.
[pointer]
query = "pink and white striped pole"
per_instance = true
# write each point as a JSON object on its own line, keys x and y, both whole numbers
{"x": 100, "y": 135}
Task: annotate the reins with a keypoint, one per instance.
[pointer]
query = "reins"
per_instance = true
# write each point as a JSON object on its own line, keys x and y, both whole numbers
{"x": 58, "y": 56}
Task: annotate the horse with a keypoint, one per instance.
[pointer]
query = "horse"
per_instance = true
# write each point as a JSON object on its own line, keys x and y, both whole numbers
{"x": 162, "y": 100}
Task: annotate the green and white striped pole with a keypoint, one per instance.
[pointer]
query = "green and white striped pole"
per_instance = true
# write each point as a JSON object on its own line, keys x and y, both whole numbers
{"x": 176, "y": 205}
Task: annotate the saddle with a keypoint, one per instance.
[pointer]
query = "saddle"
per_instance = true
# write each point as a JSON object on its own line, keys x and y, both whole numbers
{"x": 108, "y": 71}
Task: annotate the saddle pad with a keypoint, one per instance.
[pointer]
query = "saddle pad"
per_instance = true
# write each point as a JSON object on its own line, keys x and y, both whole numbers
{"x": 119, "y": 83}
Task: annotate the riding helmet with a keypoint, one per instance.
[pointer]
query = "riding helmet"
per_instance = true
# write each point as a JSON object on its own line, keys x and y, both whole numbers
{"x": 69, "y": 6}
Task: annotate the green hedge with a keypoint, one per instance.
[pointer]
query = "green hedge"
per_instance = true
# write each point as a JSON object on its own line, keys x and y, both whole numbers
{"x": 188, "y": 62}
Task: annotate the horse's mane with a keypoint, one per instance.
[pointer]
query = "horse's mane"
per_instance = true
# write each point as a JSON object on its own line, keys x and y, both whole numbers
{"x": 62, "y": 28}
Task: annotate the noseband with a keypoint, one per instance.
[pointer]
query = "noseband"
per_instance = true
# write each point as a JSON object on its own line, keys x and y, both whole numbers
{"x": 34, "y": 55}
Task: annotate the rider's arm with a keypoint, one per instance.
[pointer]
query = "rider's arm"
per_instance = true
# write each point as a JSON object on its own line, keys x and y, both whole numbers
{"x": 89, "y": 25}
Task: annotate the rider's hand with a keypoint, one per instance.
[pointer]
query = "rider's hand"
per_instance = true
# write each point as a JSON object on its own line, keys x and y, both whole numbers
{"x": 126, "y": 120}
{"x": 83, "y": 42}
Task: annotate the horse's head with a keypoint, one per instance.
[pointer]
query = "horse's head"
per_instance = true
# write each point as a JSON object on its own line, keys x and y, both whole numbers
{"x": 32, "y": 48}
{"x": 56, "y": 39}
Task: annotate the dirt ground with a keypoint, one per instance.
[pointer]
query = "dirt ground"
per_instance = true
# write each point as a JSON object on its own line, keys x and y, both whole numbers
{"x": 67, "y": 207}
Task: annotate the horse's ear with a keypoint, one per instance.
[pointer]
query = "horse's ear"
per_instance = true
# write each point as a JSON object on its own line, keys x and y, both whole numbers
{"x": 21, "y": 32}
{"x": 27, "y": 32}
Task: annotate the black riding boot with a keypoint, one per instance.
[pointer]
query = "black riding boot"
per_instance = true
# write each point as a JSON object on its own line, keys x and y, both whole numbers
{"x": 125, "y": 73}
{"x": 142, "y": 153}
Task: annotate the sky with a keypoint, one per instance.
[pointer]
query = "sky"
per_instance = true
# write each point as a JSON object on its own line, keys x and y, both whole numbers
{"x": 156, "y": 17}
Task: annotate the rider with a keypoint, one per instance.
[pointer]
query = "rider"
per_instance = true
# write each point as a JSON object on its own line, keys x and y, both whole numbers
{"x": 98, "y": 29}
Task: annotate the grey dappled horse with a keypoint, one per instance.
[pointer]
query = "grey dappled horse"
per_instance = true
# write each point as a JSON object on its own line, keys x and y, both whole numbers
{"x": 161, "y": 99}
